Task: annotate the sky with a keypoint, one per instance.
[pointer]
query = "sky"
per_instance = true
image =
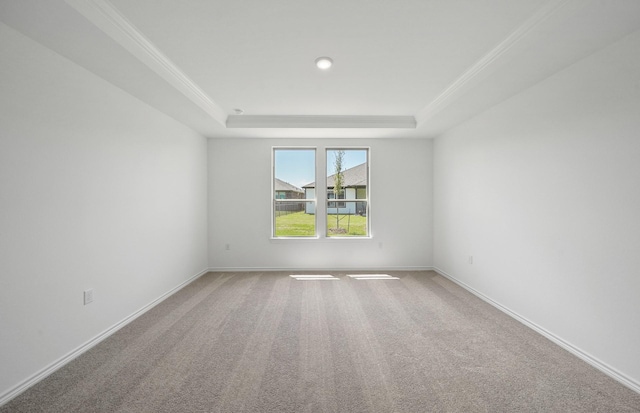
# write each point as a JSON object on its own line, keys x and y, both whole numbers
{"x": 297, "y": 166}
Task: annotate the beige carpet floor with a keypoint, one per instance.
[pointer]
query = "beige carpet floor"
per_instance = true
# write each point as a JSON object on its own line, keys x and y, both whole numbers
{"x": 265, "y": 342}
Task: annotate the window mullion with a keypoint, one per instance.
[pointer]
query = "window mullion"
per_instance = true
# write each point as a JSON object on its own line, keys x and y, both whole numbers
{"x": 321, "y": 193}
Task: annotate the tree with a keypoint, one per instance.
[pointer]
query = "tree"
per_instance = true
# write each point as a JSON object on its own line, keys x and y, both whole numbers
{"x": 338, "y": 182}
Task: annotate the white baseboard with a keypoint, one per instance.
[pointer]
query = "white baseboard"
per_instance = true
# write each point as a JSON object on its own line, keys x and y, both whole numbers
{"x": 593, "y": 361}
{"x": 341, "y": 269}
{"x": 24, "y": 385}
{"x": 51, "y": 368}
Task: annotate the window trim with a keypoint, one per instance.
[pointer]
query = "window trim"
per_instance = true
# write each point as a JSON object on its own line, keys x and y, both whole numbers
{"x": 346, "y": 200}
{"x": 303, "y": 200}
{"x": 321, "y": 199}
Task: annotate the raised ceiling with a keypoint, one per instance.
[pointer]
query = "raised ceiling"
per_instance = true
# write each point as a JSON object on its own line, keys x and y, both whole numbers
{"x": 402, "y": 68}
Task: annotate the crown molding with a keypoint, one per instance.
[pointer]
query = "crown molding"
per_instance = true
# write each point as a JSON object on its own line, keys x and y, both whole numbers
{"x": 107, "y": 18}
{"x": 301, "y": 121}
{"x": 454, "y": 90}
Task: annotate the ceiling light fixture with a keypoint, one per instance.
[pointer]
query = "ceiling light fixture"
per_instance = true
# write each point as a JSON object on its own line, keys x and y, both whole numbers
{"x": 324, "y": 63}
{"x": 238, "y": 111}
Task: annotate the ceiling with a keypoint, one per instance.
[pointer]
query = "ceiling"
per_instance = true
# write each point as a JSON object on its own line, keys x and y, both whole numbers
{"x": 402, "y": 68}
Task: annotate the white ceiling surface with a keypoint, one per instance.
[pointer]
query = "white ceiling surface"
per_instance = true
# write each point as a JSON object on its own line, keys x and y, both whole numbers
{"x": 439, "y": 62}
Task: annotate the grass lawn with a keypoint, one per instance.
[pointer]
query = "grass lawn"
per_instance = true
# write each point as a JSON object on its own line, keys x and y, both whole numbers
{"x": 300, "y": 224}
{"x": 355, "y": 225}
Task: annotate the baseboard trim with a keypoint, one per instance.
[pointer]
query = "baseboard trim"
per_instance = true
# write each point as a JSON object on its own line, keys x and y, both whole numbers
{"x": 51, "y": 368}
{"x": 341, "y": 269}
{"x": 593, "y": 361}
{"x": 45, "y": 372}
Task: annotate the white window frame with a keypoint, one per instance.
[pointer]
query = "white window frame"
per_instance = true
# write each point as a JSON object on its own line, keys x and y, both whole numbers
{"x": 305, "y": 200}
{"x": 321, "y": 201}
{"x": 347, "y": 200}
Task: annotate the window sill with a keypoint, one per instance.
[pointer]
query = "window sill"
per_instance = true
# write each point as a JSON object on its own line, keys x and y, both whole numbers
{"x": 318, "y": 239}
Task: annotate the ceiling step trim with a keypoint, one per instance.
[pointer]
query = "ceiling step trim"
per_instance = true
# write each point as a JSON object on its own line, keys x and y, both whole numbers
{"x": 107, "y": 18}
{"x": 320, "y": 121}
{"x": 455, "y": 90}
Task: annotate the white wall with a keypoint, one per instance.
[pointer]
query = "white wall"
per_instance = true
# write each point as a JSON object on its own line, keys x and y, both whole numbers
{"x": 97, "y": 190}
{"x": 240, "y": 208}
{"x": 544, "y": 192}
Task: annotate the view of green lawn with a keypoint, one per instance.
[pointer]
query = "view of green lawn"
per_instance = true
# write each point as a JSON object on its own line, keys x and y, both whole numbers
{"x": 354, "y": 225}
{"x": 300, "y": 224}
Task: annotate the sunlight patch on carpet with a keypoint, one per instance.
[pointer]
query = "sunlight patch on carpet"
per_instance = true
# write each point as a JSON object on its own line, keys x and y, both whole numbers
{"x": 318, "y": 277}
{"x": 372, "y": 277}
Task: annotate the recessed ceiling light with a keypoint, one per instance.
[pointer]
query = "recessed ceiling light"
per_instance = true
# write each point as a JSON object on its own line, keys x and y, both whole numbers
{"x": 324, "y": 63}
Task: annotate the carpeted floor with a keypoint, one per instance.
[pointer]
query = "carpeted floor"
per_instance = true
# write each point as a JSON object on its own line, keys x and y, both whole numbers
{"x": 265, "y": 342}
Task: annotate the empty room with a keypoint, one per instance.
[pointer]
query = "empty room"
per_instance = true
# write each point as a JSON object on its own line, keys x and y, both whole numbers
{"x": 333, "y": 206}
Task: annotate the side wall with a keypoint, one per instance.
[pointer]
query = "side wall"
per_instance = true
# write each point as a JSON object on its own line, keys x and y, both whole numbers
{"x": 97, "y": 190}
{"x": 240, "y": 208}
{"x": 543, "y": 191}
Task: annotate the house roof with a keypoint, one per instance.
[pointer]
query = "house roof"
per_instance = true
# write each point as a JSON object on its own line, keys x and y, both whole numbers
{"x": 356, "y": 176}
{"x": 281, "y": 185}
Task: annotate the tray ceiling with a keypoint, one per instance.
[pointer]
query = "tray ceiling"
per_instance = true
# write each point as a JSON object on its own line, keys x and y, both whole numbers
{"x": 407, "y": 68}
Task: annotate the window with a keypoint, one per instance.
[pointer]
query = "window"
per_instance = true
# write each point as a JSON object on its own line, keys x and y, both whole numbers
{"x": 344, "y": 193}
{"x": 294, "y": 197}
{"x": 348, "y": 178}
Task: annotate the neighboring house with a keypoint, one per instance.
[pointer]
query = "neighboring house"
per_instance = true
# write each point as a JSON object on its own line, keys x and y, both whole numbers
{"x": 284, "y": 190}
{"x": 355, "y": 187}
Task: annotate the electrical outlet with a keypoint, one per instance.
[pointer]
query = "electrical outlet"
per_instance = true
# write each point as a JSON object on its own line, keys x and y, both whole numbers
{"x": 227, "y": 247}
{"x": 470, "y": 259}
{"x": 88, "y": 296}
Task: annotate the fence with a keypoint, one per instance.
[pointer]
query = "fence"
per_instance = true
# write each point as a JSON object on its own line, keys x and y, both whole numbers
{"x": 285, "y": 208}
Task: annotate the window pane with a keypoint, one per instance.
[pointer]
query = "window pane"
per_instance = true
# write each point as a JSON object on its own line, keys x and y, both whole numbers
{"x": 293, "y": 179}
{"x": 347, "y": 178}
